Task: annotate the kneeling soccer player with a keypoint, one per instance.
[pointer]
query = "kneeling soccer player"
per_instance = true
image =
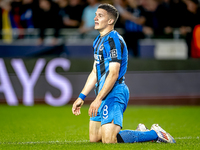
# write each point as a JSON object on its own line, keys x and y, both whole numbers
{"x": 112, "y": 94}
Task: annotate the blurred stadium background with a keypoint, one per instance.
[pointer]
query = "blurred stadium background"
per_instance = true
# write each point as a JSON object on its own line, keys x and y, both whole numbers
{"x": 49, "y": 64}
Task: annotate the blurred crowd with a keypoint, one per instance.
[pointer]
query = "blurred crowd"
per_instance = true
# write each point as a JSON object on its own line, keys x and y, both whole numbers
{"x": 139, "y": 18}
{"x": 158, "y": 19}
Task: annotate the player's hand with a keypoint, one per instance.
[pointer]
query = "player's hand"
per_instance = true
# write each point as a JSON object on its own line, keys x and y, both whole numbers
{"x": 94, "y": 108}
{"x": 77, "y": 106}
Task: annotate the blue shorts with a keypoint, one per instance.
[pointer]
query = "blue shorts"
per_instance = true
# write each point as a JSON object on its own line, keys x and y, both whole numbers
{"x": 113, "y": 106}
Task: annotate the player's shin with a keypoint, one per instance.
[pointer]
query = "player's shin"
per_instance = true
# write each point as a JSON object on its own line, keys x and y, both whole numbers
{"x": 132, "y": 136}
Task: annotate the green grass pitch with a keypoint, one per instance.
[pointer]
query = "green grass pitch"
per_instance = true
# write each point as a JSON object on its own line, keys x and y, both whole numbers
{"x": 46, "y": 127}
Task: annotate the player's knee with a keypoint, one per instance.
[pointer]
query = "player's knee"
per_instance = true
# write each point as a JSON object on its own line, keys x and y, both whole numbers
{"x": 109, "y": 138}
{"x": 94, "y": 139}
{"x": 109, "y": 133}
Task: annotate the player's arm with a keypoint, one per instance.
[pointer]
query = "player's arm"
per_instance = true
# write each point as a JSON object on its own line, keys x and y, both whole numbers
{"x": 110, "y": 80}
{"x": 108, "y": 85}
{"x": 91, "y": 81}
{"x": 89, "y": 85}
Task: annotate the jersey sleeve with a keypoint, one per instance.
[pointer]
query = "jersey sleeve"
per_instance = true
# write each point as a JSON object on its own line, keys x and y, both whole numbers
{"x": 114, "y": 49}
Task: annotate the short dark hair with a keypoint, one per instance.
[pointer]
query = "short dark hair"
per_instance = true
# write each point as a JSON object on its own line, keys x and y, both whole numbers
{"x": 112, "y": 11}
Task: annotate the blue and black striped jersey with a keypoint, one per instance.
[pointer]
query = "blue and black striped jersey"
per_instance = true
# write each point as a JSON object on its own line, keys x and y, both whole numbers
{"x": 109, "y": 48}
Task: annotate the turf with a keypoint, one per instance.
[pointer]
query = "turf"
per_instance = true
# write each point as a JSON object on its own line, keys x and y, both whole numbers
{"x": 47, "y": 127}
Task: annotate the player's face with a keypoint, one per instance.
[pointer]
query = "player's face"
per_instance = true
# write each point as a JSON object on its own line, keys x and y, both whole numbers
{"x": 101, "y": 19}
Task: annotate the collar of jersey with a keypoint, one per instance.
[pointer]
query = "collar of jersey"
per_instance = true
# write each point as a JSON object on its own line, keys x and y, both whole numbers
{"x": 106, "y": 34}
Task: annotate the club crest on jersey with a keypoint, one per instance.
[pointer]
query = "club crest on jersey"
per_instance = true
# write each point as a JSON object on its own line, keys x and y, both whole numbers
{"x": 101, "y": 47}
{"x": 97, "y": 58}
{"x": 113, "y": 53}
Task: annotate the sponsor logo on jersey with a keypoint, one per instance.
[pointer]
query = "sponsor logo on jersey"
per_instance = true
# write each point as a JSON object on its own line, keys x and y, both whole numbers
{"x": 113, "y": 53}
{"x": 97, "y": 58}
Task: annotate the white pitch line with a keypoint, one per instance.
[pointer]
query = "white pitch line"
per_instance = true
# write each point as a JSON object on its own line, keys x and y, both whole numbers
{"x": 45, "y": 142}
{"x": 186, "y": 138}
{"x": 81, "y": 141}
